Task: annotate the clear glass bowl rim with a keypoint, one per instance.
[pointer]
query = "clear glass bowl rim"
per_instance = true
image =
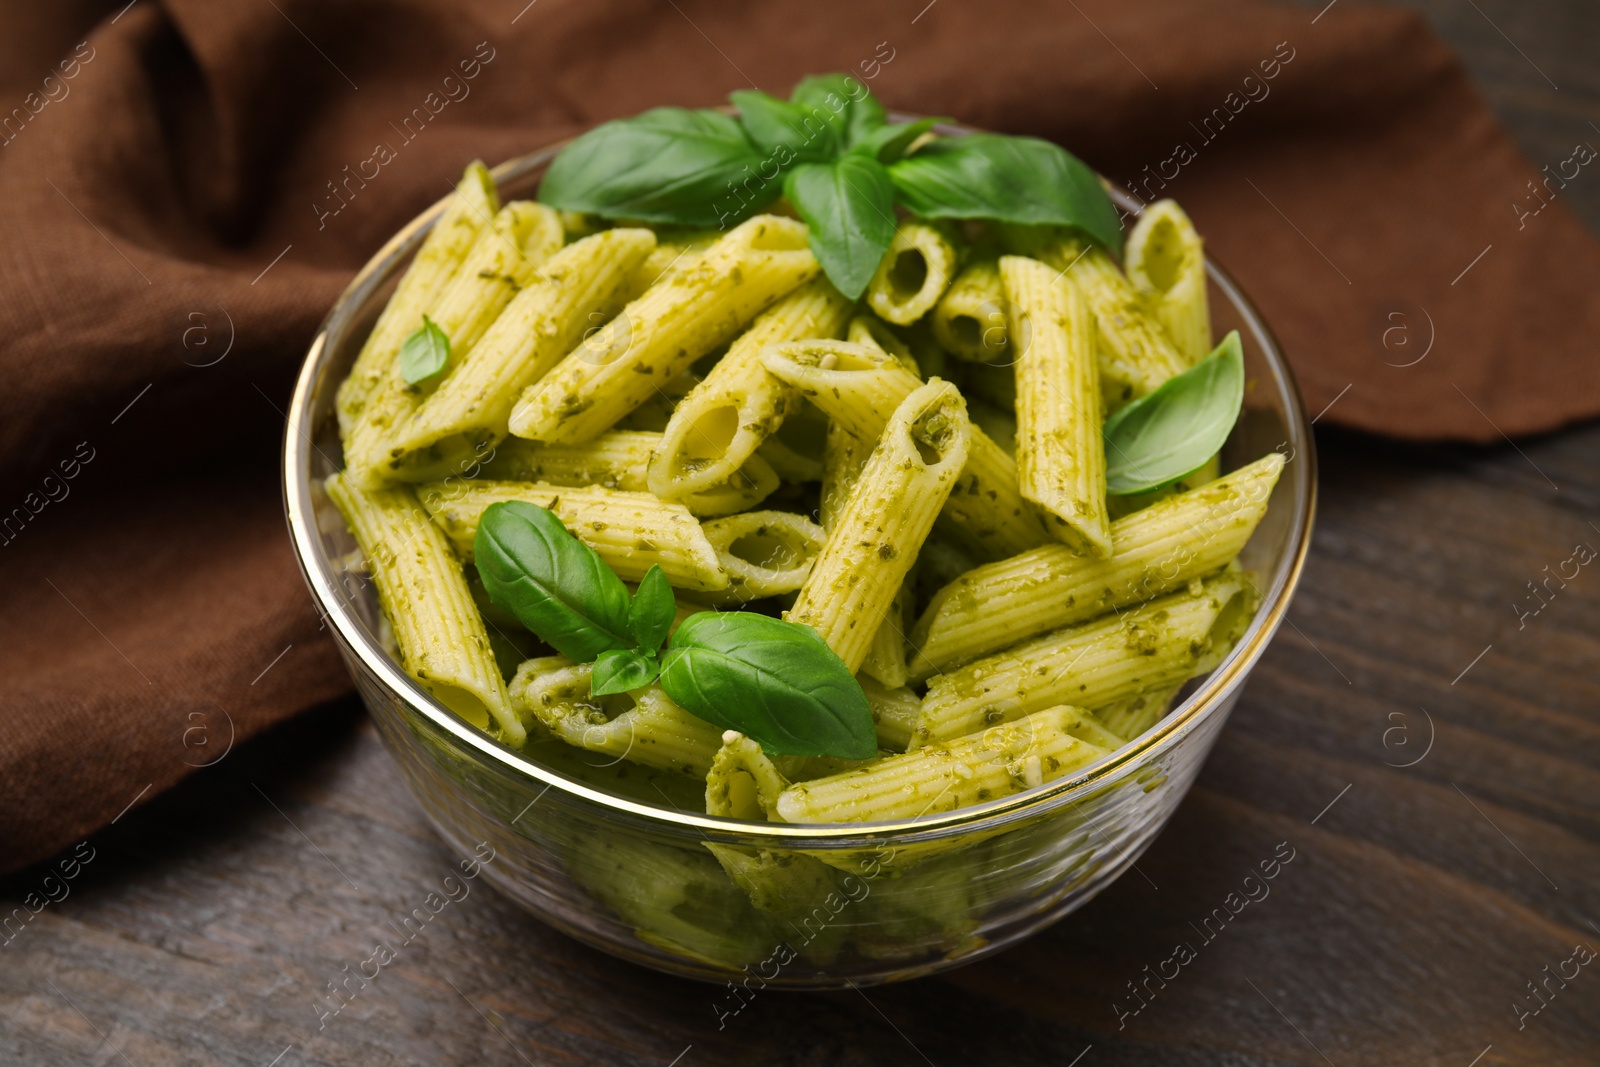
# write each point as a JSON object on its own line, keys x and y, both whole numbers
{"x": 1207, "y": 700}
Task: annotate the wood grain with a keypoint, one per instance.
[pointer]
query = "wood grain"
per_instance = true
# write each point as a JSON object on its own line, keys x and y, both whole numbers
{"x": 1420, "y": 901}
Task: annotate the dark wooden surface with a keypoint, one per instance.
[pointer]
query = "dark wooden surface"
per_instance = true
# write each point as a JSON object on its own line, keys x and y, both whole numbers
{"x": 1420, "y": 901}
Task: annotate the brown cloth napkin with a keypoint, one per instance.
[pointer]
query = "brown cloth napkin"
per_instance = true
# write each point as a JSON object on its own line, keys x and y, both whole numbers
{"x": 179, "y": 211}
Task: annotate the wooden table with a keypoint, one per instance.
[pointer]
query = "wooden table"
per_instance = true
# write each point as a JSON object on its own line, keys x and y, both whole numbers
{"x": 1430, "y": 757}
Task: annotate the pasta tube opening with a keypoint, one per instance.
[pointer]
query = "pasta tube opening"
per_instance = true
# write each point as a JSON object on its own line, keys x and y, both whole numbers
{"x": 765, "y": 552}
{"x": 913, "y": 274}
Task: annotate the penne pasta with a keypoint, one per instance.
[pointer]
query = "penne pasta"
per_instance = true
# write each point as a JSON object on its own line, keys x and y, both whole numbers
{"x": 871, "y": 547}
{"x": 765, "y": 553}
{"x": 1166, "y": 262}
{"x": 745, "y": 784}
{"x": 685, "y": 315}
{"x": 894, "y": 713}
{"x": 630, "y": 531}
{"x": 1095, "y": 664}
{"x": 577, "y": 289}
{"x": 475, "y": 202}
{"x": 1061, "y": 462}
{"x": 675, "y": 250}
{"x": 873, "y": 332}
{"x": 1133, "y": 350}
{"x": 970, "y": 319}
{"x": 843, "y": 461}
{"x": 843, "y": 457}
{"x": 885, "y": 660}
{"x": 643, "y": 727}
{"x": 913, "y": 274}
{"x": 854, "y": 385}
{"x": 437, "y": 629}
{"x": 504, "y": 259}
{"x": 723, "y": 420}
{"x": 1158, "y": 550}
{"x": 620, "y": 459}
{"x": 998, "y": 762}
{"x": 1133, "y": 716}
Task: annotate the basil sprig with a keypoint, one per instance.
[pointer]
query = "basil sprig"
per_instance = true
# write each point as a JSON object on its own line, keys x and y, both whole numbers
{"x": 1174, "y": 429}
{"x": 424, "y": 352}
{"x": 776, "y": 682}
{"x": 832, "y": 150}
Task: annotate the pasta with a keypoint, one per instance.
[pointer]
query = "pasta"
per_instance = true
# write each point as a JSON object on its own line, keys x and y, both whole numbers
{"x": 435, "y": 264}
{"x": 894, "y": 713}
{"x": 619, "y": 459}
{"x": 1167, "y": 265}
{"x": 708, "y": 404}
{"x": 644, "y": 727}
{"x": 871, "y": 331}
{"x": 631, "y": 531}
{"x": 1061, "y": 463}
{"x": 843, "y": 460}
{"x": 885, "y": 660}
{"x": 680, "y": 318}
{"x": 913, "y": 274}
{"x": 1134, "y": 715}
{"x": 855, "y": 385}
{"x": 578, "y": 286}
{"x": 724, "y": 419}
{"x": 765, "y": 553}
{"x": 504, "y": 259}
{"x": 441, "y": 637}
{"x": 970, "y": 319}
{"x": 1133, "y": 351}
{"x": 1159, "y": 549}
{"x": 1093, "y": 664}
{"x": 871, "y": 547}
{"x": 997, "y": 762}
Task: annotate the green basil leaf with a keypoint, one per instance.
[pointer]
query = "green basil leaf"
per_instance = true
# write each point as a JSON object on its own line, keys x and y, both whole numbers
{"x": 1173, "y": 430}
{"x": 844, "y": 103}
{"x": 887, "y": 144}
{"x": 653, "y": 608}
{"x": 424, "y": 352}
{"x": 776, "y": 682}
{"x": 783, "y": 131}
{"x": 622, "y": 670}
{"x": 555, "y": 585}
{"x": 668, "y": 164}
{"x": 1012, "y": 179}
{"x": 849, "y": 206}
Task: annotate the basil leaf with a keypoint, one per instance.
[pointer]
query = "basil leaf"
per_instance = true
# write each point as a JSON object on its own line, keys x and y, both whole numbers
{"x": 776, "y": 682}
{"x": 621, "y": 670}
{"x": 849, "y": 206}
{"x": 424, "y": 352}
{"x": 669, "y": 164}
{"x": 887, "y": 144}
{"x": 555, "y": 585}
{"x": 653, "y": 608}
{"x": 842, "y": 102}
{"x": 783, "y": 131}
{"x": 1173, "y": 430}
{"x": 1012, "y": 179}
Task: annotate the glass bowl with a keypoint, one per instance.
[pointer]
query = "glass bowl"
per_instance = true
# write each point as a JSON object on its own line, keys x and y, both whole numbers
{"x": 628, "y": 870}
